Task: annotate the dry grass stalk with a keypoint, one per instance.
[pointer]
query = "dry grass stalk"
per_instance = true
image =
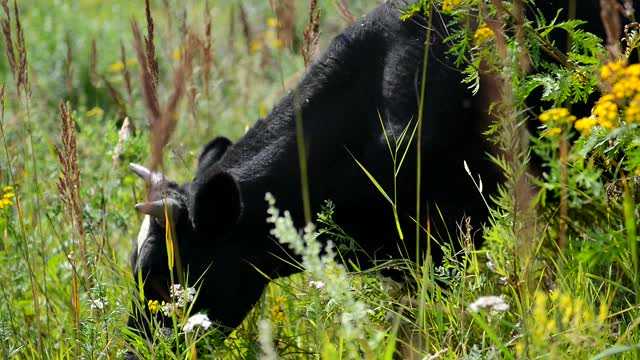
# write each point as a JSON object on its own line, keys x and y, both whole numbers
{"x": 311, "y": 34}
{"x": 246, "y": 28}
{"x": 16, "y": 50}
{"x": 94, "y": 63}
{"x": 69, "y": 181}
{"x": 69, "y": 189}
{"x": 116, "y": 97}
{"x": 285, "y": 12}
{"x": 206, "y": 49}
{"x": 161, "y": 120}
{"x": 126, "y": 131}
{"x": 125, "y": 73}
{"x": 149, "y": 88}
{"x": 68, "y": 65}
{"x": 150, "y": 48}
{"x": 23, "y": 74}
{"x": 8, "y": 39}
{"x": 347, "y": 16}
{"x": 162, "y": 130}
{"x": 610, "y": 11}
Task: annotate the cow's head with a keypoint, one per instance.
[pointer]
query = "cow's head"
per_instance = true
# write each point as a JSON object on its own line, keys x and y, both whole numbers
{"x": 198, "y": 214}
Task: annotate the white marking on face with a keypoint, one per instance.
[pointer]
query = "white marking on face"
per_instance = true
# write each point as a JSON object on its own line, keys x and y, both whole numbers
{"x": 144, "y": 232}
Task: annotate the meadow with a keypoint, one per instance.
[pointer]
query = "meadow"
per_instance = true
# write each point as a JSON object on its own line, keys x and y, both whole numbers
{"x": 556, "y": 278}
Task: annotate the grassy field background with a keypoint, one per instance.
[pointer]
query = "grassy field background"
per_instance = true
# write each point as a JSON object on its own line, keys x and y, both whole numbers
{"x": 66, "y": 286}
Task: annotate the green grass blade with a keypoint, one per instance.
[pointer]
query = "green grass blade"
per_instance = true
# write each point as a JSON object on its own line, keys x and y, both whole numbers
{"x": 373, "y": 180}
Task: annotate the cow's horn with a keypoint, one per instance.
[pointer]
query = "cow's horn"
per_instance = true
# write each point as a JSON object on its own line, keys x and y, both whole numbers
{"x": 156, "y": 208}
{"x": 154, "y": 179}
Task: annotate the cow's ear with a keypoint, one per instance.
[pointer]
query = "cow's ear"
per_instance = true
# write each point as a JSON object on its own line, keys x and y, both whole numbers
{"x": 212, "y": 152}
{"x": 217, "y": 204}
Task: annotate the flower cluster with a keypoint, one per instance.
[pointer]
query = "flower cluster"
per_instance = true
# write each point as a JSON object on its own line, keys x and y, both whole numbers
{"x": 154, "y": 306}
{"x": 556, "y": 119}
{"x": 585, "y": 124}
{"x": 623, "y": 97}
{"x": 180, "y": 298}
{"x": 268, "y": 37}
{"x": 449, "y": 5}
{"x": 612, "y": 71}
{"x": 483, "y": 34}
{"x": 195, "y": 321}
{"x": 623, "y": 93}
{"x": 494, "y": 303}
{"x": 606, "y": 111}
{"x": 277, "y": 311}
{"x": 561, "y": 318}
{"x": 557, "y": 116}
{"x": 7, "y": 195}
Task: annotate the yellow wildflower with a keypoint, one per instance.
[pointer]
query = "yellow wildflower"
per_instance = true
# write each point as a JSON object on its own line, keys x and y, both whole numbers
{"x": 520, "y": 347}
{"x": 611, "y": 71}
{"x": 116, "y": 67}
{"x": 177, "y": 54}
{"x": 606, "y": 110}
{"x": 584, "y": 125}
{"x": 632, "y": 70}
{"x": 5, "y": 200}
{"x": 626, "y": 87}
{"x": 483, "y": 34}
{"x": 96, "y": 111}
{"x": 274, "y": 23}
{"x": 603, "y": 312}
{"x": 553, "y": 131}
{"x": 278, "y": 313}
{"x": 153, "y": 306}
{"x": 449, "y": 5}
{"x": 281, "y": 299}
{"x": 255, "y": 46}
{"x": 276, "y": 43}
{"x": 269, "y": 35}
{"x": 557, "y": 116}
{"x": 632, "y": 112}
{"x": 5, "y": 203}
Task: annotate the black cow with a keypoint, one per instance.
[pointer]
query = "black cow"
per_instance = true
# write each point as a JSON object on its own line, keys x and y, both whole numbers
{"x": 372, "y": 70}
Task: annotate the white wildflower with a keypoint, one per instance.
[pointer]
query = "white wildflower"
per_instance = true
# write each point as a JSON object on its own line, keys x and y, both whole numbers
{"x": 495, "y": 303}
{"x": 180, "y": 296}
{"x": 97, "y": 304}
{"x": 316, "y": 284}
{"x": 199, "y": 319}
{"x": 175, "y": 290}
{"x": 168, "y": 309}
